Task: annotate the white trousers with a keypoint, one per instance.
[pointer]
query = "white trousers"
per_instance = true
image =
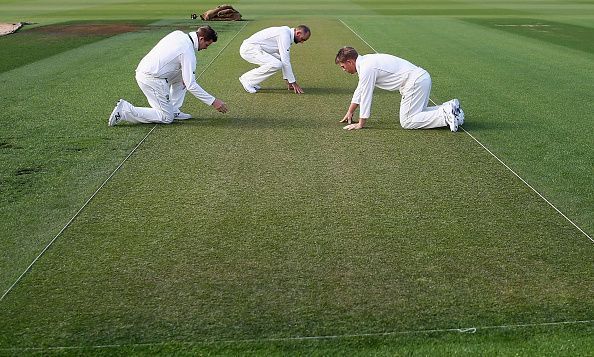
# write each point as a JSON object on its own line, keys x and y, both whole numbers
{"x": 414, "y": 113}
{"x": 165, "y": 98}
{"x": 269, "y": 64}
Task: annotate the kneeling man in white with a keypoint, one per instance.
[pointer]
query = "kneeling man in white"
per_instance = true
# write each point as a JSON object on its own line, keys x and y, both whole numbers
{"x": 396, "y": 74}
{"x": 164, "y": 75}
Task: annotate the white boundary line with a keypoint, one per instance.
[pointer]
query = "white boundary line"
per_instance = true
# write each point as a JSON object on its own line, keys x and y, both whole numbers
{"x": 530, "y": 186}
{"x": 104, "y": 183}
{"x": 495, "y": 156}
{"x": 75, "y": 215}
{"x": 308, "y": 338}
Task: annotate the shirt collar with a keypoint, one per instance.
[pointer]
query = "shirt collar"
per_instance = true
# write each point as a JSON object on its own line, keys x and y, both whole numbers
{"x": 292, "y": 36}
{"x": 194, "y": 38}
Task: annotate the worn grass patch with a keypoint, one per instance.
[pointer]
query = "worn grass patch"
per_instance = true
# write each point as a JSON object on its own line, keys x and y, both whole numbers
{"x": 34, "y": 44}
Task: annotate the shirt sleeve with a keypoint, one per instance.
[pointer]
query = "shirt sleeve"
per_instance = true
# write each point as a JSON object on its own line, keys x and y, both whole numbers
{"x": 364, "y": 92}
{"x": 284, "y": 49}
{"x": 188, "y": 67}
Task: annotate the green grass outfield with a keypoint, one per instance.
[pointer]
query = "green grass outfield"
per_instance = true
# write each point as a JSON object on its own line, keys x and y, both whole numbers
{"x": 270, "y": 230}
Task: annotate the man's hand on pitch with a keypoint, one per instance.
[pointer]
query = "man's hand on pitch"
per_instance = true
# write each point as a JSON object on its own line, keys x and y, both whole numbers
{"x": 348, "y": 118}
{"x": 220, "y": 106}
{"x": 295, "y": 88}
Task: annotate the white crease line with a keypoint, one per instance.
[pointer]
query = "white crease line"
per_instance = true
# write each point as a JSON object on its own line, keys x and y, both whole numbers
{"x": 310, "y": 338}
{"x": 356, "y": 34}
{"x": 498, "y": 159}
{"x": 76, "y": 215}
{"x": 104, "y": 182}
{"x": 530, "y": 186}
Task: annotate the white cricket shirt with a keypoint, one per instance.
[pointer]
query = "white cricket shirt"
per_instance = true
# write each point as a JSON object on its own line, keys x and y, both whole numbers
{"x": 175, "y": 54}
{"x": 276, "y": 40}
{"x": 379, "y": 70}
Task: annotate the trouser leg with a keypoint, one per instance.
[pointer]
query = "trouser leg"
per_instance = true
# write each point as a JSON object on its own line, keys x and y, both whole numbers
{"x": 177, "y": 93}
{"x": 414, "y": 113}
{"x": 277, "y": 56}
{"x": 156, "y": 91}
{"x": 269, "y": 64}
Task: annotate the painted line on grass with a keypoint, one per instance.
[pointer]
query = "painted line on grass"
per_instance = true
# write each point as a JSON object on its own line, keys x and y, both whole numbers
{"x": 306, "y": 338}
{"x": 495, "y": 156}
{"x": 76, "y": 215}
{"x": 105, "y": 182}
{"x": 530, "y": 186}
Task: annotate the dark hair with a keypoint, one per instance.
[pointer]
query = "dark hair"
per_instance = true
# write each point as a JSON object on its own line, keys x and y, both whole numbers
{"x": 207, "y": 32}
{"x": 346, "y": 53}
{"x": 303, "y": 28}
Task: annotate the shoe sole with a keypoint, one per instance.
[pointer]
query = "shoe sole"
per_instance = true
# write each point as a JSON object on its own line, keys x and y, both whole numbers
{"x": 460, "y": 117}
{"x": 458, "y": 112}
{"x": 454, "y": 125}
{"x": 112, "y": 118}
{"x": 451, "y": 118}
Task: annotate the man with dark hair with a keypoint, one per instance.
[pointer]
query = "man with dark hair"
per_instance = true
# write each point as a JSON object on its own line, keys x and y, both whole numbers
{"x": 393, "y": 73}
{"x": 270, "y": 49}
{"x": 164, "y": 75}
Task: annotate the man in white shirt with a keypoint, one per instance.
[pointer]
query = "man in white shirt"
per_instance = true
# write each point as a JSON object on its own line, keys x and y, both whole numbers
{"x": 271, "y": 50}
{"x": 164, "y": 75}
{"x": 396, "y": 74}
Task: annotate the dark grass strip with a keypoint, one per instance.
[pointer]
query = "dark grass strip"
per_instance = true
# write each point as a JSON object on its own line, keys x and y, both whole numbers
{"x": 558, "y": 33}
{"x": 34, "y": 44}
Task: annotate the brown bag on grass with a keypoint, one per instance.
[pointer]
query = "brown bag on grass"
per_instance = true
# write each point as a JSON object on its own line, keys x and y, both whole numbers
{"x": 7, "y": 29}
{"x": 221, "y": 13}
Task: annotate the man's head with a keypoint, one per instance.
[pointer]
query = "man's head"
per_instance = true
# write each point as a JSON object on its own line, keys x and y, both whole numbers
{"x": 206, "y": 36}
{"x": 346, "y": 58}
{"x": 302, "y": 33}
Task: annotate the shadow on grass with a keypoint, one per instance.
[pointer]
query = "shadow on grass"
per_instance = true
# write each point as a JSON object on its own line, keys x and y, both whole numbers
{"x": 259, "y": 123}
{"x": 317, "y": 123}
{"x": 308, "y": 90}
{"x": 329, "y": 90}
{"x": 487, "y": 125}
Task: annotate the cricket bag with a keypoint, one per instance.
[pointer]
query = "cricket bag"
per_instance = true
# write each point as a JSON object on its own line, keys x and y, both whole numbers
{"x": 221, "y": 13}
{"x": 7, "y": 29}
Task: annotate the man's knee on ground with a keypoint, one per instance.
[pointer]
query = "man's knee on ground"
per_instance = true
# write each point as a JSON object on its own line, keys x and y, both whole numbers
{"x": 406, "y": 121}
{"x": 407, "y": 125}
{"x": 166, "y": 117}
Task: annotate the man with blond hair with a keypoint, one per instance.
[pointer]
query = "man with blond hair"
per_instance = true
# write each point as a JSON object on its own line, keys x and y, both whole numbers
{"x": 395, "y": 74}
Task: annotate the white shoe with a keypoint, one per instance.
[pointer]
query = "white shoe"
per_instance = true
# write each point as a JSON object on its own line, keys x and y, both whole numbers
{"x": 256, "y": 87}
{"x": 451, "y": 119}
{"x": 458, "y": 112}
{"x": 116, "y": 114}
{"x": 182, "y": 116}
{"x": 248, "y": 87}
